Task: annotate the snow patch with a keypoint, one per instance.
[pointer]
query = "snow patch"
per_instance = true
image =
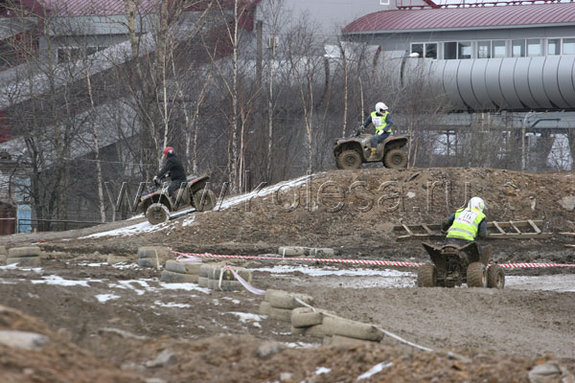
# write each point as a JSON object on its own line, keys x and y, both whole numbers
{"x": 139, "y": 228}
{"x": 171, "y": 305}
{"x": 374, "y": 370}
{"x": 246, "y": 317}
{"x": 103, "y": 298}
{"x": 59, "y": 281}
{"x": 184, "y": 286}
{"x": 329, "y": 270}
{"x": 322, "y": 370}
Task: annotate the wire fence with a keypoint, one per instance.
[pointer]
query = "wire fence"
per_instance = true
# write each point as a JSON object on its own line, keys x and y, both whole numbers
{"x": 12, "y": 225}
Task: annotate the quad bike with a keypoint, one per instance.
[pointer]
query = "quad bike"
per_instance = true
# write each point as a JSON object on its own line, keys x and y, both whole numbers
{"x": 158, "y": 204}
{"x": 351, "y": 152}
{"x": 453, "y": 265}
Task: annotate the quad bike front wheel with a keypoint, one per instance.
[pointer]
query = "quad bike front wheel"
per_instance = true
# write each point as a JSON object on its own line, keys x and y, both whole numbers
{"x": 204, "y": 200}
{"x": 427, "y": 275}
{"x": 395, "y": 159}
{"x": 348, "y": 159}
{"x": 157, "y": 213}
{"x": 495, "y": 277}
{"x": 476, "y": 275}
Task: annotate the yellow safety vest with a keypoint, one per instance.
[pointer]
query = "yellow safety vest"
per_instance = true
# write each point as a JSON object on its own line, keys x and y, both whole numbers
{"x": 380, "y": 123}
{"x": 465, "y": 224}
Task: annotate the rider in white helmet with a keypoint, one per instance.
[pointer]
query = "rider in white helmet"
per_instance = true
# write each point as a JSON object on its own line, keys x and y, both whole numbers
{"x": 381, "y": 120}
{"x": 466, "y": 224}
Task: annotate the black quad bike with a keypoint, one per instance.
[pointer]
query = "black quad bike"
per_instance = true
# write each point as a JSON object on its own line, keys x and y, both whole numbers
{"x": 351, "y": 152}
{"x": 452, "y": 265}
{"x": 158, "y": 204}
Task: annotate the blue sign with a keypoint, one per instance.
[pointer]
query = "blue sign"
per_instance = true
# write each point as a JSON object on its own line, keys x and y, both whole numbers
{"x": 24, "y": 214}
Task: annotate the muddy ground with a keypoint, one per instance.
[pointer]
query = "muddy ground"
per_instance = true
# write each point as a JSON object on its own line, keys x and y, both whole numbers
{"x": 116, "y": 322}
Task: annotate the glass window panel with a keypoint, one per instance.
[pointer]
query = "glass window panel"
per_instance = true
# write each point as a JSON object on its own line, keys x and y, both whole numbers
{"x": 569, "y": 46}
{"x": 499, "y": 48}
{"x": 553, "y": 46}
{"x": 534, "y": 47}
{"x": 518, "y": 48}
{"x": 417, "y": 48}
{"x": 431, "y": 50}
{"x": 483, "y": 49}
{"x": 464, "y": 50}
{"x": 450, "y": 51}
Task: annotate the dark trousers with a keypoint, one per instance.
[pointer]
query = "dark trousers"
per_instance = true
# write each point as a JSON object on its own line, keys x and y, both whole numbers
{"x": 377, "y": 138}
{"x": 174, "y": 187}
{"x": 456, "y": 242}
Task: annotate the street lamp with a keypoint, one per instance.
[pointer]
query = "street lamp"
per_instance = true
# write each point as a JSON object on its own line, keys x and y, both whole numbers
{"x": 523, "y": 143}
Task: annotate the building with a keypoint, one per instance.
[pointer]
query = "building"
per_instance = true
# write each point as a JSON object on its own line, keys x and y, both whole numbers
{"x": 512, "y": 57}
{"x": 505, "y": 58}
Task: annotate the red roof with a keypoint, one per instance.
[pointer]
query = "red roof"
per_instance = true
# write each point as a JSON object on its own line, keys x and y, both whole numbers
{"x": 116, "y": 7}
{"x": 465, "y": 18}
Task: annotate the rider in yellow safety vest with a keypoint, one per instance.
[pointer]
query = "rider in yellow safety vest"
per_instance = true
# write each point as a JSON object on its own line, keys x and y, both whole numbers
{"x": 467, "y": 224}
{"x": 381, "y": 120}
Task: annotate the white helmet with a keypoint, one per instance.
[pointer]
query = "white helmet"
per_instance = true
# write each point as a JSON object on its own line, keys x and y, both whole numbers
{"x": 380, "y": 106}
{"x": 476, "y": 203}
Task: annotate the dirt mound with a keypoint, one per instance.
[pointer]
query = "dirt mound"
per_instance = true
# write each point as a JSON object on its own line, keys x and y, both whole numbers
{"x": 345, "y": 207}
{"x": 31, "y": 352}
{"x": 354, "y": 211}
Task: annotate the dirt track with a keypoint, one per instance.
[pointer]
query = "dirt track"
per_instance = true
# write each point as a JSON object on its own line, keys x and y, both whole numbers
{"x": 124, "y": 316}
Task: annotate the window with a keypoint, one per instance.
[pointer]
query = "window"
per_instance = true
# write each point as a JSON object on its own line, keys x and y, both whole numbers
{"x": 431, "y": 50}
{"x": 534, "y": 47}
{"x": 464, "y": 50}
{"x": 417, "y": 48}
{"x": 499, "y": 48}
{"x": 450, "y": 51}
{"x": 553, "y": 47}
{"x": 383, "y": 2}
{"x": 483, "y": 49}
{"x": 518, "y": 48}
{"x": 67, "y": 54}
{"x": 568, "y": 46}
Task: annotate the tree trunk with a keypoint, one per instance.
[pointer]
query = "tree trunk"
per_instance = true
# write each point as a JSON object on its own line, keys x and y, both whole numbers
{"x": 99, "y": 178}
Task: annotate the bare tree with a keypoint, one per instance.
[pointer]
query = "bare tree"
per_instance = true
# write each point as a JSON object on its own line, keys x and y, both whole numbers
{"x": 304, "y": 54}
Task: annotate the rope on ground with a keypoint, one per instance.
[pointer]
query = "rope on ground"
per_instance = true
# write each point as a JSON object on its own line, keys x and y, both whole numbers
{"x": 244, "y": 283}
{"x": 373, "y": 262}
{"x": 388, "y": 333}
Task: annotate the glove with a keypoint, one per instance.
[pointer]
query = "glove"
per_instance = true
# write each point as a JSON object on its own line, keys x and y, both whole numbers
{"x": 156, "y": 180}
{"x": 358, "y": 133}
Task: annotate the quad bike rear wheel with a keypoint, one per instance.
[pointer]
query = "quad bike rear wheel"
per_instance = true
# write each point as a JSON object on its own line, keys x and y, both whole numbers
{"x": 157, "y": 213}
{"x": 476, "y": 275}
{"x": 427, "y": 275}
{"x": 495, "y": 277}
{"x": 204, "y": 200}
{"x": 348, "y": 159}
{"x": 395, "y": 159}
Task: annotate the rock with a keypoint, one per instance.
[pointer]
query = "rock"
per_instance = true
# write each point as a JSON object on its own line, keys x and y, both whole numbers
{"x": 567, "y": 203}
{"x": 23, "y": 339}
{"x": 510, "y": 189}
{"x": 550, "y": 372}
{"x": 267, "y": 349}
{"x": 113, "y": 259}
{"x": 165, "y": 357}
